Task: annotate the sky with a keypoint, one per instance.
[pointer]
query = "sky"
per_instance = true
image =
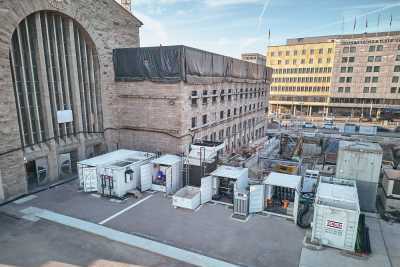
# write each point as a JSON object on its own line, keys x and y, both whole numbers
{"x": 233, "y": 27}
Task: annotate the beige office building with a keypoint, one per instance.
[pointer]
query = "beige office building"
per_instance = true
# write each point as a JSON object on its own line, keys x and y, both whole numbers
{"x": 362, "y": 77}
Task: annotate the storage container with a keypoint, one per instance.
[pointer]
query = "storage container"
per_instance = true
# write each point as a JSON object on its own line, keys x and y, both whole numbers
{"x": 163, "y": 174}
{"x": 336, "y": 213}
{"x": 226, "y": 180}
{"x": 282, "y": 193}
{"x": 187, "y": 198}
{"x": 119, "y": 177}
{"x": 88, "y": 169}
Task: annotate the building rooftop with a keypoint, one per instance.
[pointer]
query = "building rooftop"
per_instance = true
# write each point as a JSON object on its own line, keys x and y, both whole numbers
{"x": 181, "y": 63}
{"x": 229, "y": 172}
{"x": 283, "y": 180}
{"x": 360, "y": 146}
{"x": 330, "y": 38}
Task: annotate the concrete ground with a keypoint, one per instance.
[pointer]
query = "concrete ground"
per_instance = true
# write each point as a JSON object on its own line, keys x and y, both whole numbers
{"x": 34, "y": 244}
{"x": 209, "y": 231}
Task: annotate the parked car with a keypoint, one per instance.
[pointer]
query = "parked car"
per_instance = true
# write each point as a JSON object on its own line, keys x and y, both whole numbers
{"x": 309, "y": 125}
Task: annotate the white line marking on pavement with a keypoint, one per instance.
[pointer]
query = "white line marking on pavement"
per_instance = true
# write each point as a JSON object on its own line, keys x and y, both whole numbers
{"x": 129, "y": 239}
{"x": 25, "y": 199}
{"x": 124, "y": 210}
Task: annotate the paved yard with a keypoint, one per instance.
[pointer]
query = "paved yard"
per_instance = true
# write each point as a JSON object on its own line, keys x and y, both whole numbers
{"x": 209, "y": 231}
{"x": 34, "y": 244}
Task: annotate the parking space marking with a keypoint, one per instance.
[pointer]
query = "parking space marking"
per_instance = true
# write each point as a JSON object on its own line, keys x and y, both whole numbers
{"x": 124, "y": 210}
{"x": 128, "y": 239}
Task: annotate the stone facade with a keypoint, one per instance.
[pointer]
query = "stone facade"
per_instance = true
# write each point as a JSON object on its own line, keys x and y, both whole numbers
{"x": 109, "y": 26}
{"x": 157, "y": 117}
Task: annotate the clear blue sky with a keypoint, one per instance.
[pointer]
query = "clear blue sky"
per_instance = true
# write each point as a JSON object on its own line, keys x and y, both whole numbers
{"x": 232, "y": 27}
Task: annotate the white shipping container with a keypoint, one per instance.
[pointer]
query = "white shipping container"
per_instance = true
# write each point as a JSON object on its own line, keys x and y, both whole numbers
{"x": 163, "y": 174}
{"x": 336, "y": 213}
{"x": 88, "y": 169}
{"x": 359, "y": 160}
{"x": 119, "y": 177}
{"x": 187, "y": 198}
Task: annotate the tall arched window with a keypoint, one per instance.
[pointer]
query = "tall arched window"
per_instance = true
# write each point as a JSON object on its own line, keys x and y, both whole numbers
{"x": 55, "y": 68}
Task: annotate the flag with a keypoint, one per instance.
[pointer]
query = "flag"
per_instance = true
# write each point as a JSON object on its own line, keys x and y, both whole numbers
{"x": 269, "y": 34}
{"x": 366, "y": 22}
{"x": 355, "y": 24}
{"x": 379, "y": 20}
{"x": 391, "y": 20}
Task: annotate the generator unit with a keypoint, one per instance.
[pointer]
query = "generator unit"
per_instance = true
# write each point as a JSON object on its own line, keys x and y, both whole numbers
{"x": 336, "y": 213}
{"x": 119, "y": 177}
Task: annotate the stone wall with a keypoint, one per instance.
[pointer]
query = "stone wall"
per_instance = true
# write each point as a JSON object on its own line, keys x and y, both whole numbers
{"x": 109, "y": 26}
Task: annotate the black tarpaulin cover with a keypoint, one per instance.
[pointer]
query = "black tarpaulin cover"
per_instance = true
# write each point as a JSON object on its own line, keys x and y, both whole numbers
{"x": 181, "y": 63}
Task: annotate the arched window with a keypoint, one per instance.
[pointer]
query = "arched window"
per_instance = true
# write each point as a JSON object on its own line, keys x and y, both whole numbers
{"x": 55, "y": 72}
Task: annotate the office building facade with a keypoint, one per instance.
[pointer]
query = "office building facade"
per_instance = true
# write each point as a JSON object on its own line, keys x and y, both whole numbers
{"x": 364, "y": 76}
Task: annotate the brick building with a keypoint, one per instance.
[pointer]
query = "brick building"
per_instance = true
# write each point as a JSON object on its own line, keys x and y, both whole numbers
{"x": 172, "y": 95}
{"x": 57, "y": 86}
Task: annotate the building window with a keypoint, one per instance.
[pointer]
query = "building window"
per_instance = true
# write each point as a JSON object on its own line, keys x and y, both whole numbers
{"x": 366, "y": 90}
{"x": 352, "y": 49}
{"x": 329, "y": 50}
{"x": 373, "y": 90}
{"x": 286, "y": 62}
{"x": 328, "y": 60}
{"x": 351, "y": 59}
{"x": 194, "y": 101}
{"x": 344, "y": 59}
{"x": 204, "y": 119}
{"x": 303, "y": 52}
{"x": 280, "y": 53}
{"x": 303, "y": 61}
{"x": 371, "y": 59}
{"x": 379, "y": 48}
{"x": 395, "y": 79}
{"x": 311, "y": 51}
{"x": 311, "y": 61}
{"x": 287, "y": 53}
{"x": 295, "y": 52}
{"x": 350, "y": 69}
{"x": 194, "y": 93}
{"x": 319, "y": 60}
{"x": 272, "y": 54}
{"x": 375, "y": 79}
{"x": 349, "y": 79}
{"x": 378, "y": 58}
{"x": 397, "y": 68}
{"x": 369, "y": 69}
{"x": 393, "y": 90}
{"x": 347, "y": 90}
{"x": 205, "y": 101}
{"x": 321, "y": 51}
{"x": 194, "y": 122}
{"x": 372, "y": 48}
{"x": 367, "y": 79}
{"x": 340, "y": 90}
{"x": 398, "y": 58}
{"x": 377, "y": 68}
{"x": 346, "y": 50}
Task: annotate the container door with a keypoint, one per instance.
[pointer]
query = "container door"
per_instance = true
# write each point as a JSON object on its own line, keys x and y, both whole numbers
{"x": 89, "y": 175}
{"x": 146, "y": 177}
{"x": 206, "y": 189}
{"x": 256, "y": 198}
{"x": 170, "y": 182}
